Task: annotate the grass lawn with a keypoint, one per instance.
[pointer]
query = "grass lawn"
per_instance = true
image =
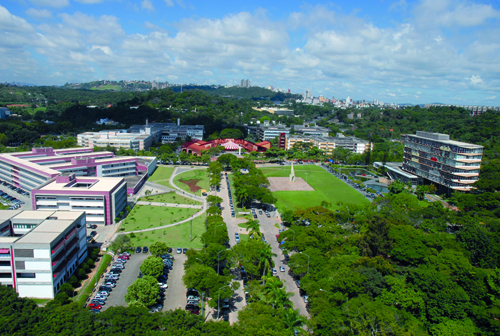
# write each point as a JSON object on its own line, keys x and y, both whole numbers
{"x": 175, "y": 236}
{"x": 198, "y": 174}
{"x": 161, "y": 173}
{"x": 169, "y": 198}
{"x": 243, "y": 237}
{"x": 85, "y": 292}
{"x": 146, "y": 216}
{"x": 41, "y": 302}
{"x": 326, "y": 186}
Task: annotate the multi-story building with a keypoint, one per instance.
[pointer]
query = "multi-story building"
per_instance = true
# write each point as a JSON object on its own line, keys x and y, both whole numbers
{"x": 40, "y": 250}
{"x": 268, "y": 133}
{"x": 328, "y": 144}
{"x": 170, "y": 133}
{"x": 117, "y": 139}
{"x": 452, "y": 165}
{"x": 102, "y": 199}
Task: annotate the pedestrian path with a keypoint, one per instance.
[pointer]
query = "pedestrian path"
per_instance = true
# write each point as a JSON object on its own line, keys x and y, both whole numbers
{"x": 171, "y": 205}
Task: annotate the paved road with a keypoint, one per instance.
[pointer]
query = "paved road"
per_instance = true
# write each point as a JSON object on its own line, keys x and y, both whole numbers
{"x": 268, "y": 228}
{"x": 175, "y": 295}
{"x": 127, "y": 277}
{"x": 172, "y": 205}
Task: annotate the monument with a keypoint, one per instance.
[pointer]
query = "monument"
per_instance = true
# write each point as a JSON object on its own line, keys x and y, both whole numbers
{"x": 292, "y": 174}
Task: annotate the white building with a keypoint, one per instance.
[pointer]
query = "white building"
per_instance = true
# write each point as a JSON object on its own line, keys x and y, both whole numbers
{"x": 40, "y": 250}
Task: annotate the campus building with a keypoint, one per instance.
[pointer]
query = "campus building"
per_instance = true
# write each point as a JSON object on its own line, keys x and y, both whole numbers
{"x": 327, "y": 144}
{"x": 44, "y": 171}
{"x": 102, "y": 199}
{"x": 117, "y": 139}
{"x": 196, "y": 147}
{"x": 40, "y": 250}
{"x": 452, "y": 165}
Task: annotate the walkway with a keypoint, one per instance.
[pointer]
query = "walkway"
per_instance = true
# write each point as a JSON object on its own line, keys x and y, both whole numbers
{"x": 171, "y": 205}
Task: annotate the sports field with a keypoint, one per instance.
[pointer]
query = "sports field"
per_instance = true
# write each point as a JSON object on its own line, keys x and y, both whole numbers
{"x": 326, "y": 187}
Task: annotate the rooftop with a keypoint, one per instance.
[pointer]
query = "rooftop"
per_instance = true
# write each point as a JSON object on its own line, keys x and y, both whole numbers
{"x": 84, "y": 184}
{"x": 443, "y": 138}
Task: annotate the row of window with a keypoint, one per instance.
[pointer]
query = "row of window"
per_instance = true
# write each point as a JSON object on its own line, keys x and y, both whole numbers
{"x": 18, "y": 275}
{"x": 23, "y": 226}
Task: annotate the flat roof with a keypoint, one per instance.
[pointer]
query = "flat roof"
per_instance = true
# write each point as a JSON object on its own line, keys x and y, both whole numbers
{"x": 102, "y": 184}
{"x": 8, "y": 239}
{"x": 8, "y": 214}
{"x": 38, "y": 237}
{"x": 67, "y": 215}
{"x": 52, "y": 225}
{"x": 33, "y": 214}
{"x": 448, "y": 142}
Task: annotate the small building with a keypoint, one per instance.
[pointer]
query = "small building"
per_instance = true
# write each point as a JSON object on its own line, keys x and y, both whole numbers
{"x": 40, "y": 250}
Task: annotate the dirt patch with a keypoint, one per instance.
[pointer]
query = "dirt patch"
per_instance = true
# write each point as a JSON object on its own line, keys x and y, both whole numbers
{"x": 191, "y": 184}
{"x": 284, "y": 184}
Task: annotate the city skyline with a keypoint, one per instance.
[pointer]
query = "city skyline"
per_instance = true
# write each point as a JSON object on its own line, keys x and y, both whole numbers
{"x": 397, "y": 51}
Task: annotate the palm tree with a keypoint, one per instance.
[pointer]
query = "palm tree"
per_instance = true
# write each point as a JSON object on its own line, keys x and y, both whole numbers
{"x": 266, "y": 258}
{"x": 292, "y": 318}
{"x": 252, "y": 227}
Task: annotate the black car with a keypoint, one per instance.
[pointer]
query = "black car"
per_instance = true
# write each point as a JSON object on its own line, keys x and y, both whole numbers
{"x": 105, "y": 288}
{"x": 93, "y": 233}
{"x": 169, "y": 250}
{"x": 192, "y": 291}
{"x": 115, "y": 270}
{"x": 145, "y": 249}
{"x": 138, "y": 249}
{"x": 184, "y": 250}
{"x": 191, "y": 306}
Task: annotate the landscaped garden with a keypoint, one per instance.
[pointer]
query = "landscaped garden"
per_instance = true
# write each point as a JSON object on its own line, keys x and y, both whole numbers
{"x": 326, "y": 188}
{"x": 170, "y": 197}
{"x": 174, "y": 236}
{"x": 147, "y": 217}
{"x": 193, "y": 181}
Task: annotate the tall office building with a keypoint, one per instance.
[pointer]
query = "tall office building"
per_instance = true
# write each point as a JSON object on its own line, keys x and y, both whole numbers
{"x": 308, "y": 94}
{"x": 452, "y": 165}
{"x": 245, "y": 83}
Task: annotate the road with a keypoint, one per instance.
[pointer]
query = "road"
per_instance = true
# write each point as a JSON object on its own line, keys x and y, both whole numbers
{"x": 268, "y": 228}
{"x": 175, "y": 295}
{"x": 127, "y": 277}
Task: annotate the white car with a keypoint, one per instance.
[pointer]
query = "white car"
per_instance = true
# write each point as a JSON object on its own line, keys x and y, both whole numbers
{"x": 282, "y": 268}
{"x": 179, "y": 250}
{"x": 163, "y": 285}
{"x": 110, "y": 284}
{"x": 100, "y": 297}
{"x": 274, "y": 271}
{"x": 103, "y": 293}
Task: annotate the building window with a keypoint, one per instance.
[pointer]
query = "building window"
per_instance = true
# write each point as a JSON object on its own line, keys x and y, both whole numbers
{"x": 26, "y": 275}
{"x": 5, "y": 275}
{"x": 20, "y": 265}
{"x": 24, "y": 253}
{"x": 5, "y": 263}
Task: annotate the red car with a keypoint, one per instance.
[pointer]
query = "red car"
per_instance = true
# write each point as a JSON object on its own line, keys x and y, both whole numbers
{"x": 124, "y": 257}
{"x": 94, "y": 306}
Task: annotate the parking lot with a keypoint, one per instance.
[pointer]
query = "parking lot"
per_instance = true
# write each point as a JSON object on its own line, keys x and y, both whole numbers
{"x": 23, "y": 198}
{"x": 175, "y": 295}
{"x": 127, "y": 277}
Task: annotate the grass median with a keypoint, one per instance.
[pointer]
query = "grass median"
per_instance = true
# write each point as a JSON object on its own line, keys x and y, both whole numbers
{"x": 170, "y": 197}
{"x": 162, "y": 173}
{"x": 85, "y": 291}
{"x": 148, "y": 216}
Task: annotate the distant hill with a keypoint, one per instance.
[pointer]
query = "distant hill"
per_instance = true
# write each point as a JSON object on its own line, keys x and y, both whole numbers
{"x": 255, "y": 92}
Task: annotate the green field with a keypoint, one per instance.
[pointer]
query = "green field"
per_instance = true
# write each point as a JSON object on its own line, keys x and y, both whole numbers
{"x": 161, "y": 173}
{"x": 170, "y": 197}
{"x": 108, "y": 87}
{"x": 175, "y": 236}
{"x": 326, "y": 187}
{"x": 199, "y": 174}
{"x": 146, "y": 217}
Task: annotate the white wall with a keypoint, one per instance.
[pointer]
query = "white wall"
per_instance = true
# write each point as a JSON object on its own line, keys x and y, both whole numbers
{"x": 35, "y": 291}
{"x": 37, "y": 265}
{"x": 41, "y": 254}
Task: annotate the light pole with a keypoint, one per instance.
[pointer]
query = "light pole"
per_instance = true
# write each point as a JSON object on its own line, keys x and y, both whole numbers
{"x": 293, "y": 234}
{"x": 307, "y": 262}
{"x": 218, "y": 260}
{"x": 201, "y": 261}
{"x": 215, "y": 230}
{"x": 204, "y": 248}
{"x": 218, "y": 299}
{"x": 305, "y": 191}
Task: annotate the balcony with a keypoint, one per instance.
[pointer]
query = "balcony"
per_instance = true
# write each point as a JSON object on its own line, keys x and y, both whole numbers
{"x": 58, "y": 247}
{"x": 72, "y": 233}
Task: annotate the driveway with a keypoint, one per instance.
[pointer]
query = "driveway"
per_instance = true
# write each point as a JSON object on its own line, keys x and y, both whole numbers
{"x": 175, "y": 295}
{"x": 127, "y": 277}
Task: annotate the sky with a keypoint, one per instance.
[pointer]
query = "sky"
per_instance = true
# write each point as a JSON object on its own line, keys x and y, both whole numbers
{"x": 400, "y": 51}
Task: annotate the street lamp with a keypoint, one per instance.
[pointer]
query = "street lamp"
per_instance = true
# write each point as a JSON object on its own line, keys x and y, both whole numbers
{"x": 307, "y": 262}
{"x": 215, "y": 230}
{"x": 201, "y": 261}
{"x": 218, "y": 299}
{"x": 218, "y": 260}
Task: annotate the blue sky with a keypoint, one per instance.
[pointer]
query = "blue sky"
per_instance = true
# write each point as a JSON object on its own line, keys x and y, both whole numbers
{"x": 399, "y": 51}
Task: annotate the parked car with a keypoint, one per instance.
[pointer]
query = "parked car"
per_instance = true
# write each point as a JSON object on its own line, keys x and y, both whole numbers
{"x": 163, "y": 285}
{"x": 94, "y": 306}
{"x": 179, "y": 250}
{"x": 274, "y": 271}
{"x": 282, "y": 268}
{"x": 184, "y": 250}
{"x": 98, "y": 302}
{"x": 138, "y": 249}
{"x": 145, "y": 249}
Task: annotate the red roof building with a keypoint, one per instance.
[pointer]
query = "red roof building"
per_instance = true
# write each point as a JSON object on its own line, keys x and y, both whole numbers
{"x": 195, "y": 147}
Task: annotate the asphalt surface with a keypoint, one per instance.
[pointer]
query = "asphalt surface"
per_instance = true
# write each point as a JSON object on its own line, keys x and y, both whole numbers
{"x": 127, "y": 277}
{"x": 175, "y": 295}
{"x": 268, "y": 228}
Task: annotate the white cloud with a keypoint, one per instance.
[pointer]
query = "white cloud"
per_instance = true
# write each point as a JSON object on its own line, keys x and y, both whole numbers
{"x": 169, "y": 3}
{"x": 39, "y": 13}
{"x": 51, "y": 3}
{"x": 476, "y": 80}
{"x": 491, "y": 98}
{"x": 148, "y": 5}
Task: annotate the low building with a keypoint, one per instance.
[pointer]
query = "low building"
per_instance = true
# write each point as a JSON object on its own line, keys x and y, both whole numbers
{"x": 102, "y": 199}
{"x": 395, "y": 172}
{"x": 328, "y": 144}
{"x": 40, "y": 250}
{"x": 196, "y": 147}
{"x": 171, "y": 133}
{"x": 117, "y": 139}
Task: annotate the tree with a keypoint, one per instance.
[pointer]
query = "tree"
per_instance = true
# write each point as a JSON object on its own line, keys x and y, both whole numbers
{"x": 266, "y": 258}
{"x": 152, "y": 266}
{"x": 231, "y": 133}
{"x": 420, "y": 191}
{"x": 158, "y": 248}
{"x": 120, "y": 242}
{"x": 252, "y": 227}
{"x": 144, "y": 290}
{"x": 213, "y": 200}
{"x": 377, "y": 240}
{"x": 292, "y": 318}
{"x": 396, "y": 187}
